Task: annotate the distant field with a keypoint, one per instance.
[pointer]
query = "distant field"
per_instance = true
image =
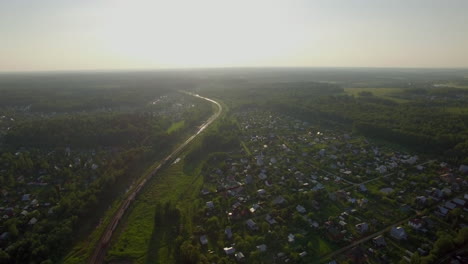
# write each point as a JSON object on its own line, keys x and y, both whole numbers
{"x": 457, "y": 110}
{"x": 387, "y": 93}
{"x": 176, "y": 126}
{"x": 451, "y": 84}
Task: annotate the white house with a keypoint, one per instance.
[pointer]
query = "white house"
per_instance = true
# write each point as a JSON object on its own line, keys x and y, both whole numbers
{"x": 229, "y": 250}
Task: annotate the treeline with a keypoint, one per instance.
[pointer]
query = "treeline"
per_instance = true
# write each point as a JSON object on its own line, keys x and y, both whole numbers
{"x": 423, "y": 127}
{"x": 425, "y": 124}
{"x": 443, "y": 247}
{"x": 93, "y": 130}
{"x": 223, "y": 137}
{"x": 88, "y": 131}
{"x": 71, "y": 92}
{"x": 73, "y": 100}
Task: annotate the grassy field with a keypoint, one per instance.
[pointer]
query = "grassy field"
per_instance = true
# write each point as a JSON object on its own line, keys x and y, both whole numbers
{"x": 452, "y": 84}
{"x": 137, "y": 240}
{"x": 246, "y": 149}
{"x": 457, "y": 110}
{"x": 133, "y": 240}
{"x": 82, "y": 250}
{"x": 176, "y": 126}
{"x": 91, "y": 233}
{"x": 386, "y": 93}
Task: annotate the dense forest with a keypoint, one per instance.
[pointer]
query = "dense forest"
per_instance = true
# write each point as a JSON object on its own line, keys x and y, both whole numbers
{"x": 431, "y": 120}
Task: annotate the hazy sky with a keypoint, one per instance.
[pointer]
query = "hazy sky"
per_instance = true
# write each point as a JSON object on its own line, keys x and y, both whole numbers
{"x": 150, "y": 34}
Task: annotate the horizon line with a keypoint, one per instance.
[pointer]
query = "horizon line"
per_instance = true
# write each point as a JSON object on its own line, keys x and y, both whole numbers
{"x": 222, "y": 68}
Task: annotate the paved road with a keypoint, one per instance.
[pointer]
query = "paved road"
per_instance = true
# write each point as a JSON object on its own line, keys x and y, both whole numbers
{"x": 367, "y": 238}
{"x": 362, "y": 240}
{"x": 103, "y": 243}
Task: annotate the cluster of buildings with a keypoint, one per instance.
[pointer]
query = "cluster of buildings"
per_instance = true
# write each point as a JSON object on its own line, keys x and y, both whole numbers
{"x": 33, "y": 182}
{"x": 316, "y": 191}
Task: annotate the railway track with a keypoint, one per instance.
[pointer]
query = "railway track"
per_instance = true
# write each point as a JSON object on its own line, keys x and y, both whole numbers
{"x": 100, "y": 251}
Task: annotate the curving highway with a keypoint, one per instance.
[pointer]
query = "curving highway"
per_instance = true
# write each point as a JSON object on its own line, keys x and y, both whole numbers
{"x": 103, "y": 243}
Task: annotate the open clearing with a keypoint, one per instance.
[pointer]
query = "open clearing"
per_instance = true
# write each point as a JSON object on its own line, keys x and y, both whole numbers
{"x": 386, "y": 93}
{"x": 176, "y": 126}
{"x": 174, "y": 186}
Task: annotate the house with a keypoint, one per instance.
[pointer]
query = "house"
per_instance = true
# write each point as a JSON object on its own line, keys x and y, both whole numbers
{"x": 262, "y": 247}
{"x": 262, "y": 176}
{"x": 229, "y": 250}
{"x": 362, "y": 188}
{"x": 254, "y": 208}
{"x": 251, "y": 224}
{"x": 463, "y": 168}
{"x": 300, "y": 209}
{"x": 4, "y": 236}
{"x": 203, "y": 240}
{"x": 210, "y": 205}
{"x": 382, "y": 169}
{"x": 342, "y": 224}
{"x": 447, "y": 177}
{"x": 398, "y": 233}
{"x": 248, "y": 179}
{"x": 387, "y": 190}
{"x": 261, "y": 191}
{"x": 421, "y": 200}
{"x": 239, "y": 256}
{"x": 449, "y": 205}
{"x": 410, "y": 160}
{"x": 442, "y": 211}
{"x": 259, "y": 160}
{"x": 303, "y": 254}
{"x": 228, "y": 232}
{"x": 322, "y": 152}
{"x": 357, "y": 255}
{"x": 379, "y": 241}
{"x": 290, "y": 238}
{"x": 363, "y": 202}
{"x": 279, "y": 200}
{"x": 415, "y": 223}
{"x": 26, "y": 197}
{"x": 459, "y": 202}
{"x": 270, "y": 219}
{"x": 446, "y": 191}
{"x": 33, "y": 221}
{"x": 362, "y": 227}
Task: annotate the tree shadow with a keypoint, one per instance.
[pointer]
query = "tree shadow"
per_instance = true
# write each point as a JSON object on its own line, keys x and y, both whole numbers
{"x": 165, "y": 231}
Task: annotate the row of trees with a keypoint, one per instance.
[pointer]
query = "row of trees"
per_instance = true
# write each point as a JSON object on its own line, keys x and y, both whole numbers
{"x": 443, "y": 246}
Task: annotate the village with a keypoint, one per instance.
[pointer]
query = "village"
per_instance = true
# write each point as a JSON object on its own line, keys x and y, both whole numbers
{"x": 33, "y": 184}
{"x": 41, "y": 185}
{"x": 296, "y": 193}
